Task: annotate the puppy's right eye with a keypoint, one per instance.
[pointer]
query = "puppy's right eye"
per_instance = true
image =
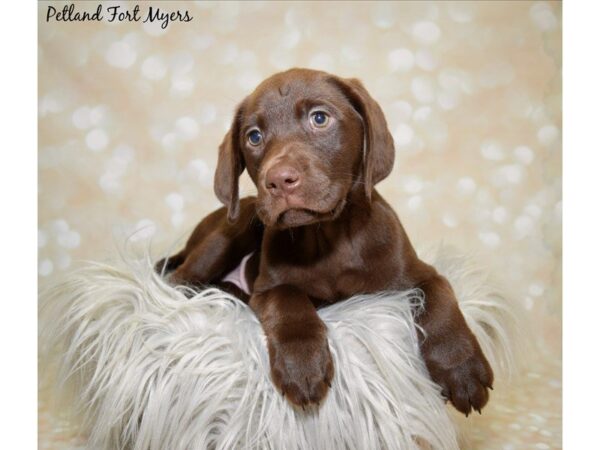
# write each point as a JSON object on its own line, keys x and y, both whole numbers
{"x": 254, "y": 137}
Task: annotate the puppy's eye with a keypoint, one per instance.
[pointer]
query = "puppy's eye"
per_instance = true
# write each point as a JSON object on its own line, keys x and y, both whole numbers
{"x": 319, "y": 119}
{"x": 254, "y": 137}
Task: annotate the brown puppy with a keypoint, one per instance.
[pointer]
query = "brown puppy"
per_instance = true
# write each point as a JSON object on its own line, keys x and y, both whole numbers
{"x": 315, "y": 145}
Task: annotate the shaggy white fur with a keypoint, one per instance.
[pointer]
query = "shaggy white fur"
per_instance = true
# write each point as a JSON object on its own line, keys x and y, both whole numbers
{"x": 150, "y": 368}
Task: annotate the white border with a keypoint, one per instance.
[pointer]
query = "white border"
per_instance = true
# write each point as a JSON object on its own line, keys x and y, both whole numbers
{"x": 18, "y": 175}
{"x": 581, "y": 219}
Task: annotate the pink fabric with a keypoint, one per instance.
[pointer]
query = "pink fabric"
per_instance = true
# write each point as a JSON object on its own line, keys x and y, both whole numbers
{"x": 238, "y": 275}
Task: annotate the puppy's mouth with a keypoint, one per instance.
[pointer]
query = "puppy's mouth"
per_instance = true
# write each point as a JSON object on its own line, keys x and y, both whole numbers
{"x": 294, "y": 217}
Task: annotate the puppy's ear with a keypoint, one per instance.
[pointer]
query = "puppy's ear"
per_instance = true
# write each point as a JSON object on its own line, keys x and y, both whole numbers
{"x": 378, "y": 144}
{"x": 229, "y": 168}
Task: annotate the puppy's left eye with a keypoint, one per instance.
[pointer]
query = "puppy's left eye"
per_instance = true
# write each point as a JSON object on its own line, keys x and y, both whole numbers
{"x": 255, "y": 137}
{"x": 319, "y": 119}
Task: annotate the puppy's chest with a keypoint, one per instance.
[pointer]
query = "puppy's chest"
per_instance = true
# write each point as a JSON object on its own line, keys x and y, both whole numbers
{"x": 326, "y": 271}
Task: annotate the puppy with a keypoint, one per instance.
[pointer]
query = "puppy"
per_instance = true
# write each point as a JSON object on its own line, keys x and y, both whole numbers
{"x": 318, "y": 232}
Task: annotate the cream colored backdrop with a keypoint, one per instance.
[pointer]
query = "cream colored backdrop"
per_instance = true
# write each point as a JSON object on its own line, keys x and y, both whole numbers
{"x": 130, "y": 117}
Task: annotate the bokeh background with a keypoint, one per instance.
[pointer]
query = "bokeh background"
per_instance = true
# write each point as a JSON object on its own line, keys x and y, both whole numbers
{"x": 130, "y": 117}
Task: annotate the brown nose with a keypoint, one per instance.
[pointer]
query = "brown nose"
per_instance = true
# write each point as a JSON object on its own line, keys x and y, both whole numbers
{"x": 282, "y": 179}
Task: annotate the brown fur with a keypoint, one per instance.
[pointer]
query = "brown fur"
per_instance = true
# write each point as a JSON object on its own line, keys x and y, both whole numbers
{"x": 321, "y": 233}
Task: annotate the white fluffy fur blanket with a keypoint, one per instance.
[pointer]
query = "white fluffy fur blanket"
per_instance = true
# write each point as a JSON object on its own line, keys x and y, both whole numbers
{"x": 150, "y": 368}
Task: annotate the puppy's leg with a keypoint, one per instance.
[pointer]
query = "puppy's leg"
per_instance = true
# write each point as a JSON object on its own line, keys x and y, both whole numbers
{"x": 301, "y": 364}
{"x": 215, "y": 247}
{"x": 450, "y": 350}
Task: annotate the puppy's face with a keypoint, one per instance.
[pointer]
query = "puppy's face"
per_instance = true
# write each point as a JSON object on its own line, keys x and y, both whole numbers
{"x": 301, "y": 140}
{"x": 304, "y": 138}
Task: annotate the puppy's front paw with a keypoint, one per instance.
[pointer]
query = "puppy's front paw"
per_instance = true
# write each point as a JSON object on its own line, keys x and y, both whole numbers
{"x": 301, "y": 368}
{"x": 463, "y": 373}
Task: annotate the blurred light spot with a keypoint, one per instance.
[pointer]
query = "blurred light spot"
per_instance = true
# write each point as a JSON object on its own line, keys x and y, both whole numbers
{"x": 542, "y": 15}
{"x": 249, "y": 79}
{"x": 466, "y": 185}
{"x": 182, "y": 85}
{"x": 533, "y": 210}
{"x": 199, "y": 171}
{"x": 182, "y": 63}
{"x": 322, "y": 61}
{"x": 437, "y": 133}
{"x": 120, "y": 54}
{"x": 422, "y": 89}
{"x": 154, "y": 28}
{"x": 422, "y": 114}
{"x": 558, "y": 210}
{"x": 351, "y": 55}
{"x": 177, "y": 218}
{"x": 174, "y": 201}
{"x": 547, "y": 134}
{"x": 187, "y": 128}
{"x": 402, "y": 109}
{"x": 59, "y": 226}
{"x": 500, "y": 214}
{"x": 291, "y": 38}
{"x": 208, "y": 113}
{"x": 425, "y": 60}
{"x": 448, "y": 100}
{"x": 144, "y": 229}
{"x": 536, "y": 289}
{"x": 81, "y": 117}
{"x": 403, "y": 135}
{"x": 228, "y": 54}
{"x": 42, "y": 238}
{"x": 124, "y": 153}
{"x": 154, "y": 68}
{"x": 98, "y": 114}
{"x": 412, "y": 184}
{"x": 281, "y": 58}
{"x": 528, "y": 303}
{"x": 170, "y": 141}
{"x": 50, "y": 104}
{"x": 69, "y": 239}
{"x": 492, "y": 150}
{"x": 524, "y": 154}
{"x": 45, "y": 267}
{"x": 383, "y": 15}
{"x": 426, "y": 32}
{"x": 109, "y": 183}
{"x": 523, "y": 226}
{"x": 203, "y": 41}
{"x": 414, "y": 202}
{"x": 461, "y": 12}
{"x": 96, "y": 139}
{"x": 63, "y": 261}
{"x": 400, "y": 59}
{"x": 498, "y": 73}
{"x": 489, "y": 238}
{"x": 225, "y": 16}
{"x": 456, "y": 80}
{"x": 450, "y": 220}
{"x": 510, "y": 173}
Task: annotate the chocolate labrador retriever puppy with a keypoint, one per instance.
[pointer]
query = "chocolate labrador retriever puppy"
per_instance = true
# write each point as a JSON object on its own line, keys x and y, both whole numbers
{"x": 318, "y": 232}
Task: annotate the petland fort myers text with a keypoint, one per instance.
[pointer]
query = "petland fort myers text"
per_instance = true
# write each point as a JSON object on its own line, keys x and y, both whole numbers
{"x": 118, "y": 13}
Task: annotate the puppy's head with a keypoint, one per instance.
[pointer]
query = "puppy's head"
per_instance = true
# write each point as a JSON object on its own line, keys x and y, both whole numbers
{"x": 307, "y": 138}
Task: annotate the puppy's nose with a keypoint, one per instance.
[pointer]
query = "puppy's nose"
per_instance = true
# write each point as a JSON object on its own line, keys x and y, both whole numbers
{"x": 282, "y": 179}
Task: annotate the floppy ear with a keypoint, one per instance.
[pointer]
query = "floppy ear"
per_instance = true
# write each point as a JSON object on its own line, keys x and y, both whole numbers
{"x": 378, "y": 144}
{"x": 229, "y": 168}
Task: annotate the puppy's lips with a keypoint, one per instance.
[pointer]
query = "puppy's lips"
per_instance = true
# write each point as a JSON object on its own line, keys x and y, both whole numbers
{"x": 304, "y": 216}
{"x": 296, "y": 216}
